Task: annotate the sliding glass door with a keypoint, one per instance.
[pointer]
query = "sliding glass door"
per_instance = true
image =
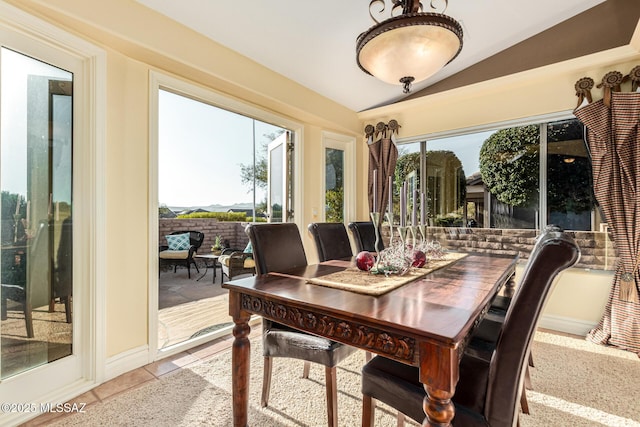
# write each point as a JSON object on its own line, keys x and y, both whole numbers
{"x": 36, "y": 213}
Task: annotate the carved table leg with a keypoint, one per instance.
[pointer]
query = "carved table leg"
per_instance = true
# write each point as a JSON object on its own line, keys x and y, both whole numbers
{"x": 439, "y": 372}
{"x": 240, "y": 358}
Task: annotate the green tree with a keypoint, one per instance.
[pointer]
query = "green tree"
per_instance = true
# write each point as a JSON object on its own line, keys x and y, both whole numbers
{"x": 334, "y": 196}
{"x": 509, "y": 165}
{"x": 334, "y": 205}
{"x": 449, "y": 169}
{"x": 569, "y": 177}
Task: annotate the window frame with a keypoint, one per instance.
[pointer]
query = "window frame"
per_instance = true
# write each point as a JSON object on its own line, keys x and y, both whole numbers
{"x": 540, "y": 120}
{"x": 162, "y": 81}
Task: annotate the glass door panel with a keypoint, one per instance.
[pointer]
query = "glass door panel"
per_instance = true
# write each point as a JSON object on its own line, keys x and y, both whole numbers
{"x": 334, "y": 185}
{"x": 35, "y": 214}
{"x": 280, "y": 191}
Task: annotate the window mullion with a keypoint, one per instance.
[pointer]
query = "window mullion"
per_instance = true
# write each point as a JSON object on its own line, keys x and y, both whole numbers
{"x": 542, "y": 202}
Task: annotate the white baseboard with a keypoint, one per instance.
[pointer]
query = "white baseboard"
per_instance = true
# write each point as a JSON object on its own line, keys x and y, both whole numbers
{"x": 126, "y": 361}
{"x": 566, "y": 324}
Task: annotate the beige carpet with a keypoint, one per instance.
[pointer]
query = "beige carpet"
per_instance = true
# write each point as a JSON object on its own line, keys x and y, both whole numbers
{"x": 576, "y": 384}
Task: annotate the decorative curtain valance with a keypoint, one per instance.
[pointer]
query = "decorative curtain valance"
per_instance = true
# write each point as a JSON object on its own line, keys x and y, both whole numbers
{"x": 614, "y": 144}
{"x": 383, "y": 155}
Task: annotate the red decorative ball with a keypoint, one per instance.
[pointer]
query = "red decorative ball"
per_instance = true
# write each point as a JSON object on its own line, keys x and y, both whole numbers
{"x": 419, "y": 259}
{"x": 365, "y": 261}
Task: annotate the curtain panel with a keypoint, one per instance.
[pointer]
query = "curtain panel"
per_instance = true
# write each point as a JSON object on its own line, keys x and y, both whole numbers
{"x": 613, "y": 139}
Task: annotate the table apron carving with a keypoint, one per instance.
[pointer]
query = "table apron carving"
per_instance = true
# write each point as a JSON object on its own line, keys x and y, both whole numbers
{"x": 390, "y": 344}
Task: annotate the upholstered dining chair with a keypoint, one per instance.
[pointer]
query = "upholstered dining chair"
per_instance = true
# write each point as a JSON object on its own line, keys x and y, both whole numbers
{"x": 181, "y": 249}
{"x": 364, "y": 236}
{"x": 331, "y": 239}
{"x": 278, "y": 247}
{"x": 490, "y": 382}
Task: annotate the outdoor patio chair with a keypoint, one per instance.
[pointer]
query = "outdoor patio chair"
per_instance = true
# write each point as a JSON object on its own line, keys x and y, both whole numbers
{"x": 181, "y": 249}
{"x": 235, "y": 262}
{"x": 15, "y": 286}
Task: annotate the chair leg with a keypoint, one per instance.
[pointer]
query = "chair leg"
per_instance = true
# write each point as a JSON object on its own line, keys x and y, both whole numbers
{"x": 368, "y": 411}
{"x": 524, "y": 404}
{"x": 68, "y": 304}
{"x": 332, "y": 396}
{"x": 266, "y": 381}
{"x": 531, "y": 360}
{"x": 28, "y": 319}
{"x": 305, "y": 369}
{"x": 527, "y": 380}
{"x": 400, "y": 419}
{"x": 368, "y": 356}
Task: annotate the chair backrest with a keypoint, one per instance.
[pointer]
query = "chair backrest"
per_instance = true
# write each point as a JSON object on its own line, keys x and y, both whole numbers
{"x": 553, "y": 252}
{"x": 364, "y": 236}
{"x": 332, "y": 240}
{"x": 276, "y": 246}
{"x": 195, "y": 237}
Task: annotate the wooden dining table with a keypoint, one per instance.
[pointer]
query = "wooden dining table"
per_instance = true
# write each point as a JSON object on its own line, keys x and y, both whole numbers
{"x": 425, "y": 323}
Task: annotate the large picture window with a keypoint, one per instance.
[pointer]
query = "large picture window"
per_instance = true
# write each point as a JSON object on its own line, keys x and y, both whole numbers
{"x": 520, "y": 177}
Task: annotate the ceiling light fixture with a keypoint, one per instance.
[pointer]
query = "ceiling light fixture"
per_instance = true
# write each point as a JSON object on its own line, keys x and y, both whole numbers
{"x": 410, "y": 47}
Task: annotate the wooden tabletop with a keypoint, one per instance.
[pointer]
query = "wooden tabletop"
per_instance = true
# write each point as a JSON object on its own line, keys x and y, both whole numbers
{"x": 441, "y": 306}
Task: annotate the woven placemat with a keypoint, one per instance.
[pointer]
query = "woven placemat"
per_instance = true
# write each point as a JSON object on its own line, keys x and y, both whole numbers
{"x": 355, "y": 280}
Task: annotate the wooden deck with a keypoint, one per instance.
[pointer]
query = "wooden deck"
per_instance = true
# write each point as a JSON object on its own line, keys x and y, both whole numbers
{"x": 189, "y": 307}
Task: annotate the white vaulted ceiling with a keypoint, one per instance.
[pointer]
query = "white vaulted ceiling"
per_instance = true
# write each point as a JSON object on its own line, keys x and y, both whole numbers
{"x": 313, "y": 42}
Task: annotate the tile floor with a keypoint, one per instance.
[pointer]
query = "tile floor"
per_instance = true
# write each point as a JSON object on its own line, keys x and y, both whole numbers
{"x": 151, "y": 372}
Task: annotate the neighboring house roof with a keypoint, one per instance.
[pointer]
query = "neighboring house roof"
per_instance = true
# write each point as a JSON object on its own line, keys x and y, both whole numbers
{"x": 166, "y": 213}
{"x": 474, "y": 179}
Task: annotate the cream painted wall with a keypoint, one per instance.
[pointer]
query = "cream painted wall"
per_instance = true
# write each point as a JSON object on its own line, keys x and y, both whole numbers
{"x": 577, "y": 301}
{"x": 127, "y": 207}
{"x": 531, "y": 93}
{"x": 133, "y": 50}
{"x": 580, "y": 294}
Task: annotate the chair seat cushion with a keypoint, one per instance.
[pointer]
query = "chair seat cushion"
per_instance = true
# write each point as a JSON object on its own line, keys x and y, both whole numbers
{"x": 489, "y": 328}
{"x": 500, "y": 304}
{"x": 286, "y": 342}
{"x": 248, "y": 262}
{"x": 169, "y": 254}
{"x": 398, "y": 385}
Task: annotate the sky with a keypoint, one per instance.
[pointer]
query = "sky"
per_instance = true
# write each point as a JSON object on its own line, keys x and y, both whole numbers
{"x": 201, "y": 148}
{"x": 465, "y": 147}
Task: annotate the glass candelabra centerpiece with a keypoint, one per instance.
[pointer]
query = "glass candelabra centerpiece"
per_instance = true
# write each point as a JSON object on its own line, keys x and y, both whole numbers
{"x": 410, "y": 248}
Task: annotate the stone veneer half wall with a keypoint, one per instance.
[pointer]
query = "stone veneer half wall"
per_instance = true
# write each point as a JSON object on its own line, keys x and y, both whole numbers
{"x": 597, "y": 248}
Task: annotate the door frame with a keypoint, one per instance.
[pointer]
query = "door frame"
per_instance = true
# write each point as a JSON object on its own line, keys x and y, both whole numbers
{"x": 161, "y": 80}
{"x": 347, "y": 145}
{"x": 50, "y": 383}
